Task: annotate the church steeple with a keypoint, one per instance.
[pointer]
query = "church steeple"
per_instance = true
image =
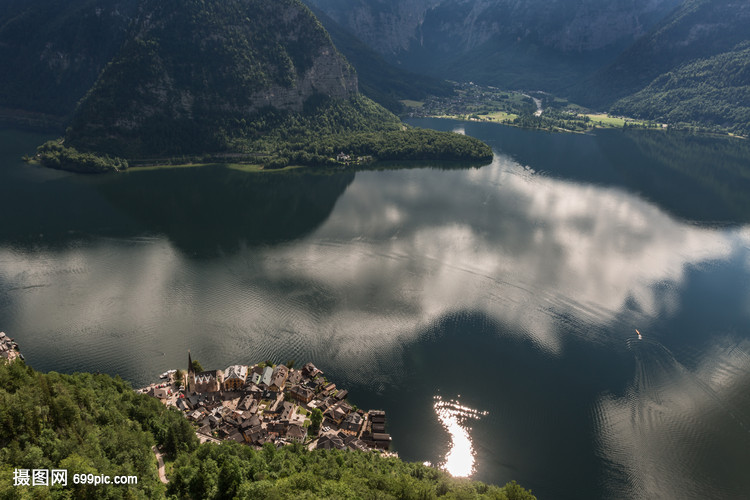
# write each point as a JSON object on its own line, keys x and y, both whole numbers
{"x": 190, "y": 376}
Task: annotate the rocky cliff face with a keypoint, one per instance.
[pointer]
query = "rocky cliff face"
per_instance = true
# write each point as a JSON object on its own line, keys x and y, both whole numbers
{"x": 503, "y": 42}
{"x": 394, "y": 26}
{"x": 387, "y": 26}
{"x": 329, "y": 75}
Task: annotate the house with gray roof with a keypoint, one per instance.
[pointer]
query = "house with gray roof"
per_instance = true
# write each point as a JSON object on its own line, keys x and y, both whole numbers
{"x": 265, "y": 379}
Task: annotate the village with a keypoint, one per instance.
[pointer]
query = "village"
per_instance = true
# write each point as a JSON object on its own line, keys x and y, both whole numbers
{"x": 8, "y": 348}
{"x": 267, "y": 403}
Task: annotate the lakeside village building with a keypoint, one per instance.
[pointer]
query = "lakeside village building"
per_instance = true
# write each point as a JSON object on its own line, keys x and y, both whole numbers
{"x": 8, "y": 349}
{"x": 258, "y": 404}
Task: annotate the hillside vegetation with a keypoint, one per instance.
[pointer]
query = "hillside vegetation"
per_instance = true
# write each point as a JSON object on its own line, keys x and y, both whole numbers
{"x": 251, "y": 80}
{"x": 52, "y": 52}
{"x": 192, "y": 69}
{"x": 97, "y": 424}
{"x": 86, "y": 424}
{"x": 714, "y": 91}
{"x": 697, "y": 30}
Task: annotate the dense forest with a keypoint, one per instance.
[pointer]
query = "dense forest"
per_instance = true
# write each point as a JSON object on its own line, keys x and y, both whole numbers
{"x": 84, "y": 423}
{"x": 236, "y": 87}
{"x": 97, "y": 424}
{"x": 232, "y": 470}
{"x": 714, "y": 91}
{"x": 52, "y": 52}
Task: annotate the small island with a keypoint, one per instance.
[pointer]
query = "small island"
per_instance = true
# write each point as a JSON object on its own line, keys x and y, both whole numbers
{"x": 271, "y": 403}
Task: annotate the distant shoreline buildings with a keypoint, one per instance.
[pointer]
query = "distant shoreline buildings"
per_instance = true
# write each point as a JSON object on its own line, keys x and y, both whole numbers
{"x": 267, "y": 403}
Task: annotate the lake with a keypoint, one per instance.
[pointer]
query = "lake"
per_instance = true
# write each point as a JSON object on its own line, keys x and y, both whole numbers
{"x": 492, "y": 312}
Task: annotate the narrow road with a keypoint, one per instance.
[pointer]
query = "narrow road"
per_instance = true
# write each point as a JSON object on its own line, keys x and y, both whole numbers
{"x": 160, "y": 461}
{"x": 538, "y": 103}
{"x": 539, "y": 109}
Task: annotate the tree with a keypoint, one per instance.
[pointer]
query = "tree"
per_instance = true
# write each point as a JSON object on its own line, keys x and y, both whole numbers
{"x": 316, "y": 418}
{"x": 197, "y": 368}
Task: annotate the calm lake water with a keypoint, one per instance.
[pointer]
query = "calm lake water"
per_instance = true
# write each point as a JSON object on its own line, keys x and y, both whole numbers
{"x": 492, "y": 312}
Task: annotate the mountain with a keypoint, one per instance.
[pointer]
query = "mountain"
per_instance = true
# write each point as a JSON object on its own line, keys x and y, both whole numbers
{"x": 52, "y": 52}
{"x": 380, "y": 80}
{"x": 191, "y": 69}
{"x": 712, "y": 91}
{"x": 697, "y": 29}
{"x": 510, "y": 43}
{"x": 245, "y": 79}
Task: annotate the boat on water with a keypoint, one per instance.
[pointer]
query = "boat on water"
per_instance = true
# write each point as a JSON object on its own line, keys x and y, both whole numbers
{"x": 640, "y": 337}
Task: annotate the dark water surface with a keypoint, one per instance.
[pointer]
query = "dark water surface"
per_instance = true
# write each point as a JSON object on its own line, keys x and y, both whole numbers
{"x": 491, "y": 311}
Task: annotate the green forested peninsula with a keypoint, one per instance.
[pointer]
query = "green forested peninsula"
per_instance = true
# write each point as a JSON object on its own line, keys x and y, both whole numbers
{"x": 251, "y": 80}
{"x": 97, "y": 424}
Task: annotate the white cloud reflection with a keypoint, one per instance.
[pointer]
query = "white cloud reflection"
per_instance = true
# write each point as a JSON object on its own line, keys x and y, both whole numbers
{"x": 401, "y": 250}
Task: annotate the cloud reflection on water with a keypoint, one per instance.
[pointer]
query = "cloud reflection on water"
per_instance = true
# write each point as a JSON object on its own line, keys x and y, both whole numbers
{"x": 518, "y": 247}
{"x": 401, "y": 250}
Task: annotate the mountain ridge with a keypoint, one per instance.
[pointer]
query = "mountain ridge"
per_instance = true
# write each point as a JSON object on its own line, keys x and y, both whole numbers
{"x": 482, "y": 40}
{"x": 696, "y": 29}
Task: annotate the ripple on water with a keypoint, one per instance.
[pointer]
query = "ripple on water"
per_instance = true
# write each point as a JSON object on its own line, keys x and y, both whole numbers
{"x": 673, "y": 432}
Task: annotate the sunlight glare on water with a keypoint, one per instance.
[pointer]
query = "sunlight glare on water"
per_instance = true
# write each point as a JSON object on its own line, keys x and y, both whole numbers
{"x": 459, "y": 461}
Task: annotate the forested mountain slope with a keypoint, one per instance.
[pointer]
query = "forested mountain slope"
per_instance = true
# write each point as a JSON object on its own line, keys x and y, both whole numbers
{"x": 249, "y": 79}
{"x": 190, "y": 71}
{"x": 51, "y": 52}
{"x": 714, "y": 91}
{"x": 696, "y": 31}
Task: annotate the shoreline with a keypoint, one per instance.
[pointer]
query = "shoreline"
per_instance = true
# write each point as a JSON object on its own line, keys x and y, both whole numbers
{"x": 629, "y": 124}
{"x": 266, "y": 403}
